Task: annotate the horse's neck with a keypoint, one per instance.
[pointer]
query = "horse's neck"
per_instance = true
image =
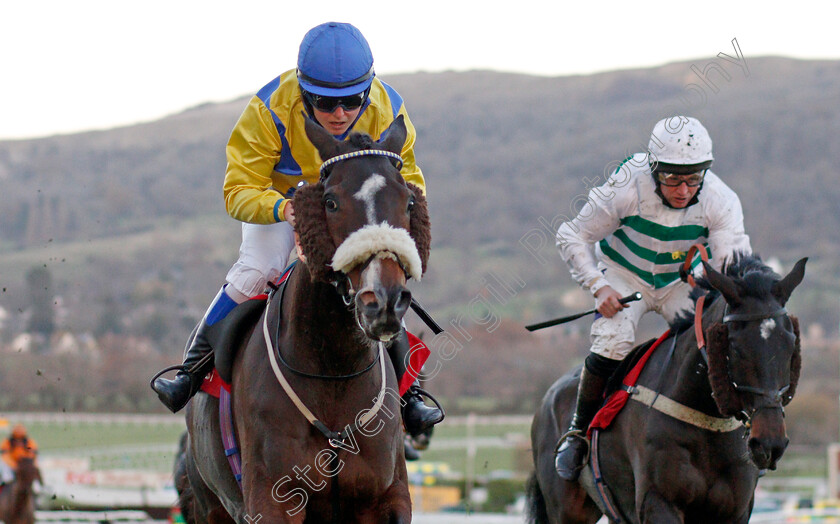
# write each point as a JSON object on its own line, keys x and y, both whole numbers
{"x": 324, "y": 330}
{"x": 689, "y": 377}
{"x": 20, "y": 497}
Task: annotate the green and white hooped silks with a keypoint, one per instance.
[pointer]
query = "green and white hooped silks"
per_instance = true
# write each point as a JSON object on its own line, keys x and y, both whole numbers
{"x": 625, "y": 224}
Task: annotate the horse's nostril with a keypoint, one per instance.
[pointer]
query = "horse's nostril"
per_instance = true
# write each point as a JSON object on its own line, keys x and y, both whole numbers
{"x": 368, "y": 300}
{"x": 403, "y": 301}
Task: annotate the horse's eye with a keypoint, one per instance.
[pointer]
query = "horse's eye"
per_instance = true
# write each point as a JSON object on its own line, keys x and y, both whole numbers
{"x": 411, "y": 202}
{"x": 331, "y": 203}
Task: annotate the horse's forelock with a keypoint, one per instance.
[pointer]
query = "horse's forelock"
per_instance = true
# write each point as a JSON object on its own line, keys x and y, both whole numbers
{"x": 359, "y": 141}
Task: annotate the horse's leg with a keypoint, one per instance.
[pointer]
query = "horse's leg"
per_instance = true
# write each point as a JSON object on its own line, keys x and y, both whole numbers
{"x": 654, "y": 508}
{"x": 208, "y": 470}
{"x": 198, "y": 503}
{"x": 553, "y": 498}
{"x": 398, "y": 503}
{"x": 261, "y": 506}
{"x": 220, "y": 516}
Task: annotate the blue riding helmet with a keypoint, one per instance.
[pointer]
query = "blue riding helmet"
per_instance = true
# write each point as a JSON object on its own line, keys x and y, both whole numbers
{"x": 334, "y": 60}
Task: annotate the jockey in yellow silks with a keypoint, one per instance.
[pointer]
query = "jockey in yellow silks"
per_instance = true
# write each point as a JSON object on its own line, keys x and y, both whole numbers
{"x": 269, "y": 155}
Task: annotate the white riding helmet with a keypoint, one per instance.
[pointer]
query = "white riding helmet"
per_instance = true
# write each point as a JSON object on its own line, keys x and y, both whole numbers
{"x": 680, "y": 144}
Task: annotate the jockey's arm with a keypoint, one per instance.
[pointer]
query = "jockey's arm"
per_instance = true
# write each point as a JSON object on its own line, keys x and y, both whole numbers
{"x": 598, "y": 218}
{"x": 252, "y": 152}
{"x": 410, "y": 170}
{"x": 6, "y": 454}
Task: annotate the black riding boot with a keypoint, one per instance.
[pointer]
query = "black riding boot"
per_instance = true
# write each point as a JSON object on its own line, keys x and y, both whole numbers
{"x": 572, "y": 452}
{"x": 198, "y": 362}
{"x": 199, "y": 359}
{"x": 417, "y": 416}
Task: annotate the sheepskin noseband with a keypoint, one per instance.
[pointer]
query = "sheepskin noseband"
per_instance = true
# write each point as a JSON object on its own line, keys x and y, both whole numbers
{"x": 375, "y": 240}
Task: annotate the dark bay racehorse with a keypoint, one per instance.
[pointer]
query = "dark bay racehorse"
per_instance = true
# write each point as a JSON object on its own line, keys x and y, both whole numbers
{"x": 363, "y": 231}
{"x": 17, "y": 499}
{"x": 699, "y": 464}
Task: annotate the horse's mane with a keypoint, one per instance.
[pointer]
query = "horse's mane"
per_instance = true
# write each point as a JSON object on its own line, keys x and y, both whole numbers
{"x": 753, "y": 276}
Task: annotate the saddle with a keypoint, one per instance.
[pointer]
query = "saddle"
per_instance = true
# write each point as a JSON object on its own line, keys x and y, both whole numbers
{"x": 244, "y": 319}
{"x": 622, "y": 382}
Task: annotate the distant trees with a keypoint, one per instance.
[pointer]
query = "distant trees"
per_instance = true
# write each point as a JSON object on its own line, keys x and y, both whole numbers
{"x": 41, "y": 314}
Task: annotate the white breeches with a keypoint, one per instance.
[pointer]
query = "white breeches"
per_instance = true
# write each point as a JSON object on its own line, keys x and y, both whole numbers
{"x": 7, "y": 475}
{"x": 615, "y": 337}
{"x": 263, "y": 256}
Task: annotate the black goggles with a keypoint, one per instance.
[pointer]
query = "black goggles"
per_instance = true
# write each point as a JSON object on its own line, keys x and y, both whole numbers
{"x": 328, "y": 104}
{"x": 674, "y": 179}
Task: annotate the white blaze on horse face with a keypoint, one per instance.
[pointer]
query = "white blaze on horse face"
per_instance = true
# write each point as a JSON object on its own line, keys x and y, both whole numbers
{"x": 767, "y": 327}
{"x": 367, "y": 194}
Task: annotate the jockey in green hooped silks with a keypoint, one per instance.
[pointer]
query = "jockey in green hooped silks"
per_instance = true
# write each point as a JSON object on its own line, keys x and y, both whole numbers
{"x": 633, "y": 235}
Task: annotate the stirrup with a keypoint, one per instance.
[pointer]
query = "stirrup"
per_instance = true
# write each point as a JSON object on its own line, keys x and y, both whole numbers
{"x": 579, "y": 434}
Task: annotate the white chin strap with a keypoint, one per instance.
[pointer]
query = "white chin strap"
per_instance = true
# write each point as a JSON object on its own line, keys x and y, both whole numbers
{"x": 381, "y": 240}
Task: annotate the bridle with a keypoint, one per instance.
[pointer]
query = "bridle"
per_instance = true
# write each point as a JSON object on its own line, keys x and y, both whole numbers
{"x": 325, "y": 171}
{"x": 343, "y": 285}
{"x": 340, "y": 280}
{"x": 776, "y": 397}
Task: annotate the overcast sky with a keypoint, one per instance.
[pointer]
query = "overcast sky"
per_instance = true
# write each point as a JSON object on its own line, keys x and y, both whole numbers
{"x": 71, "y": 65}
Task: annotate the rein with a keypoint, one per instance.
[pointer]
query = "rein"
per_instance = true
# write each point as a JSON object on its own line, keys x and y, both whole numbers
{"x": 282, "y": 290}
{"x": 698, "y": 306}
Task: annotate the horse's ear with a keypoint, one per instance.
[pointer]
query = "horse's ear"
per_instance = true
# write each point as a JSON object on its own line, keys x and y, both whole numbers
{"x": 394, "y": 137}
{"x": 324, "y": 142}
{"x": 727, "y": 287}
{"x": 784, "y": 287}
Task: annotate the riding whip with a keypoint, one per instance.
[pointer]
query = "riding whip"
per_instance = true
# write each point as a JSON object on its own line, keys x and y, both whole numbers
{"x": 548, "y": 323}
{"x": 425, "y": 317}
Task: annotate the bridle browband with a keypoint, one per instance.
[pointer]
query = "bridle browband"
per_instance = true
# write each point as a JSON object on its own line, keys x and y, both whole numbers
{"x": 354, "y": 154}
{"x": 748, "y": 317}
